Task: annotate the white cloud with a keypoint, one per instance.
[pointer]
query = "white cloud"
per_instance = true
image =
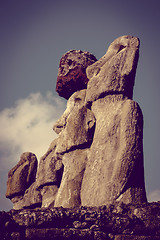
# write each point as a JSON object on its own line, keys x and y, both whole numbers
{"x": 28, "y": 127}
{"x": 154, "y": 196}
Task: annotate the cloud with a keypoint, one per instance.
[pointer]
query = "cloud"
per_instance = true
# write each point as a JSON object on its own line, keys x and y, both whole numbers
{"x": 28, "y": 127}
{"x": 154, "y": 196}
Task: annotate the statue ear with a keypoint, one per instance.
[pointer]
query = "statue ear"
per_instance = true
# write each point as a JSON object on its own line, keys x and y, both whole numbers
{"x": 90, "y": 120}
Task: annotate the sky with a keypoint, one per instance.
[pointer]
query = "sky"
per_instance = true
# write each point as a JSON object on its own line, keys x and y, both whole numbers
{"x": 34, "y": 34}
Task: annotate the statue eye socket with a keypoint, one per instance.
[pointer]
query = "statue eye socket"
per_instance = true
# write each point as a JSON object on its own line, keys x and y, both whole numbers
{"x": 121, "y": 47}
{"x": 69, "y": 62}
{"x": 78, "y": 99}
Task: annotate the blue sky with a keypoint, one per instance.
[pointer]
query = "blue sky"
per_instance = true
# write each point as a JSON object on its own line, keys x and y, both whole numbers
{"x": 34, "y": 35}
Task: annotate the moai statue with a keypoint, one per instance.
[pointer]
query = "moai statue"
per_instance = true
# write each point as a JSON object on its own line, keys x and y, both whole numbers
{"x": 97, "y": 158}
{"x": 75, "y": 128}
{"x": 61, "y": 169}
{"x": 113, "y": 161}
{"x": 21, "y": 187}
{"x": 114, "y": 170}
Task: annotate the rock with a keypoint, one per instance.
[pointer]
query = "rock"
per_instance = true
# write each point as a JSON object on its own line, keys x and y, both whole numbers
{"x": 75, "y": 101}
{"x": 97, "y": 158}
{"x": 114, "y": 171}
{"x": 76, "y": 126}
{"x": 74, "y": 166}
{"x": 49, "y": 194}
{"x": 77, "y": 119}
{"x": 115, "y": 72}
{"x": 140, "y": 221}
{"x": 72, "y": 72}
{"x": 22, "y": 175}
{"x": 49, "y": 175}
{"x": 50, "y": 168}
{"x": 31, "y": 199}
{"x": 78, "y": 132}
{"x": 21, "y": 186}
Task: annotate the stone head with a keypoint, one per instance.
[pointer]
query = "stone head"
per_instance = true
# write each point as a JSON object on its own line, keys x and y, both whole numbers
{"x": 76, "y": 126}
{"x": 114, "y": 73}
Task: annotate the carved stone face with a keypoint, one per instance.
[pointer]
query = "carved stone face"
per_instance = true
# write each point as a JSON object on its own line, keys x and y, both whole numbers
{"x": 118, "y": 45}
{"x": 114, "y": 73}
{"x": 75, "y": 101}
{"x": 76, "y": 126}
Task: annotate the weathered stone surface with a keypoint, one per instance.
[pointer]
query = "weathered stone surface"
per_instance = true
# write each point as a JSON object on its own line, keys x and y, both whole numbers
{"x": 49, "y": 175}
{"x": 97, "y": 158}
{"x": 59, "y": 234}
{"x": 50, "y": 168}
{"x": 114, "y": 171}
{"x": 130, "y": 237}
{"x": 74, "y": 102}
{"x": 76, "y": 126}
{"x": 31, "y": 199}
{"x": 48, "y": 194}
{"x": 75, "y": 129}
{"x": 22, "y": 175}
{"x": 69, "y": 192}
{"x": 114, "y": 73}
{"x": 72, "y": 72}
{"x": 118, "y": 221}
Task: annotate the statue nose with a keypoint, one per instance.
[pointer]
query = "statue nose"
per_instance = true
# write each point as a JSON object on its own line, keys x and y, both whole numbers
{"x": 60, "y": 124}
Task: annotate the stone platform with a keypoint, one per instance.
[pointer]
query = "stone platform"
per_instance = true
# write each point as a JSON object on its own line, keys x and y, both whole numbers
{"x": 118, "y": 222}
